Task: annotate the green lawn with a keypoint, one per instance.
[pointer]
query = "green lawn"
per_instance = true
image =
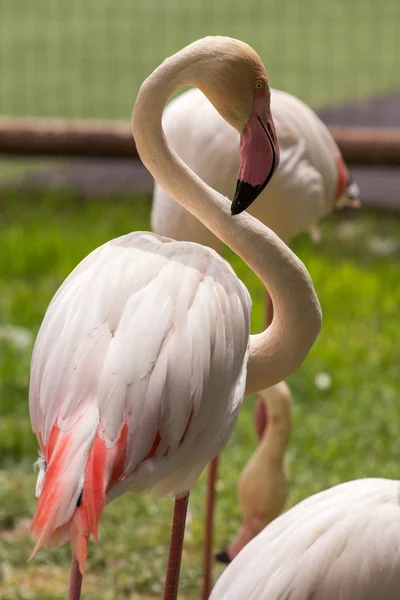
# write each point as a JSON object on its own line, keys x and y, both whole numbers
{"x": 345, "y": 432}
{"x": 86, "y": 58}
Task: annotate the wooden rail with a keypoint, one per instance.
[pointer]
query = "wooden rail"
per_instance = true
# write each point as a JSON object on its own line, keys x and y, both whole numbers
{"x": 105, "y": 139}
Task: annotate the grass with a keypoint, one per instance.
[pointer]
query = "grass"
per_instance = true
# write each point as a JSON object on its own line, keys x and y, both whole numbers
{"x": 87, "y": 58}
{"x": 344, "y": 432}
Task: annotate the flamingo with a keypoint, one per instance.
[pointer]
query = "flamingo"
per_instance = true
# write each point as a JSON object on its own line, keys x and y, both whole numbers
{"x": 340, "y": 544}
{"x": 311, "y": 180}
{"x": 263, "y": 486}
{"x": 144, "y": 354}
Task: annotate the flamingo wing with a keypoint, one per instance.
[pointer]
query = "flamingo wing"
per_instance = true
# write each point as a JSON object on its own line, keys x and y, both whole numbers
{"x": 137, "y": 376}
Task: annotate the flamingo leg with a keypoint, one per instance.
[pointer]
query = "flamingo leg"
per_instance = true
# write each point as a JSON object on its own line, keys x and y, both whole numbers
{"x": 209, "y": 527}
{"x": 75, "y": 583}
{"x": 175, "y": 548}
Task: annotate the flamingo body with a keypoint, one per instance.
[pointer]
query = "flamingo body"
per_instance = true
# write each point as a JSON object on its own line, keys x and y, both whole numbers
{"x": 310, "y": 181}
{"x": 340, "y": 544}
{"x": 137, "y": 377}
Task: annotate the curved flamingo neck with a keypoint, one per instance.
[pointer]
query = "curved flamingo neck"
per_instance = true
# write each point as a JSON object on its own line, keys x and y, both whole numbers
{"x": 260, "y": 418}
{"x": 282, "y": 347}
{"x": 275, "y": 439}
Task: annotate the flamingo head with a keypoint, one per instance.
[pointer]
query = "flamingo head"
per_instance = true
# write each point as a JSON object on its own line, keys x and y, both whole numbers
{"x": 233, "y": 78}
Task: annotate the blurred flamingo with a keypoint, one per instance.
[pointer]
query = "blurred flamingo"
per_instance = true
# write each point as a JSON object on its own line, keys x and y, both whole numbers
{"x": 310, "y": 181}
{"x": 263, "y": 486}
{"x": 144, "y": 354}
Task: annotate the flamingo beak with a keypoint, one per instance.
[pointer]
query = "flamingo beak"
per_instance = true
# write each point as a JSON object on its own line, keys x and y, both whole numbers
{"x": 348, "y": 202}
{"x": 259, "y": 151}
{"x": 223, "y": 557}
{"x": 348, "y": 192}
{"x": 351, "y": 197}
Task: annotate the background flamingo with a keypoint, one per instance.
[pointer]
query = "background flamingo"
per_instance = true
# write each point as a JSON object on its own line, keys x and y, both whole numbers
{"x": 139, "y": 367}
{"x": 310, "y": 181}
{"x": 263, "y": 486}
{"x": 341, "y": 543}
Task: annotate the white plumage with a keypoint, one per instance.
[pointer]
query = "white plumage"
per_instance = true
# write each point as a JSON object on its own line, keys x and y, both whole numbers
{"x": 310, "y": 181}
{"x": 141, "y": 323}
{"x": 340, "y": 544}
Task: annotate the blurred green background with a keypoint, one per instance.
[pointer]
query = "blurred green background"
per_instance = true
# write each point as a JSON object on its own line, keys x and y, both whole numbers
{"x": 87, "y": 58}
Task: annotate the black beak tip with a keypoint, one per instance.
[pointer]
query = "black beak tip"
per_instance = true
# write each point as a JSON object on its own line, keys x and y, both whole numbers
{"x": 223, "y": 557}
{"x": 235, "y": 208}
{"x": 244, "y": 196}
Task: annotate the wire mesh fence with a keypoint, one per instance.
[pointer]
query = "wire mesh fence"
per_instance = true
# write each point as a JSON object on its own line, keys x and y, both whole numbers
{"x": 87, "y": 58}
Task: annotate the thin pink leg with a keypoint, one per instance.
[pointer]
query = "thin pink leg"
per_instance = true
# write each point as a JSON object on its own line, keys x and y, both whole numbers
{"x": 75, "y": 582}
{"x": 209, "y": 527}
{"x": 175, "y": 548}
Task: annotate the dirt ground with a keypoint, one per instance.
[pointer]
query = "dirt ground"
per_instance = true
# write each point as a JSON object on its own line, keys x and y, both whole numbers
{"x": 380, "y": 187}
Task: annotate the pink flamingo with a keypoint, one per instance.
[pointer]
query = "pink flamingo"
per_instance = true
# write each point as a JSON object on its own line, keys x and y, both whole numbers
{"x": 144, "y": 354}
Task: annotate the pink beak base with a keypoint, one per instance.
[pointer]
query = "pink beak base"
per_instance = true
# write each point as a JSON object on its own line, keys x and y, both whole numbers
{"x": 259, "y": 151}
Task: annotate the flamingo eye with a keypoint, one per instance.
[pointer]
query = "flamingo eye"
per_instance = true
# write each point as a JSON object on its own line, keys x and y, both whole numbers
{"x": 258, "y": 84}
